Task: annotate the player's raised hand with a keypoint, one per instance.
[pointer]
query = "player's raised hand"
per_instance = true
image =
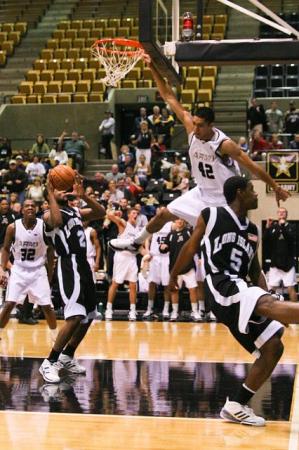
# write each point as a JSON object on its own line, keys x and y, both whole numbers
{"x": 49, "y": 184}
{"x": 146, "y": 58}
{"x": 78, "y": 186}
{"x": 281, "y": 194}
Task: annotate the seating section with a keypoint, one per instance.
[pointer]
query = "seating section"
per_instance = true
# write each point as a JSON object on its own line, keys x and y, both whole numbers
{"x": 29, "y": 11}
{"x": 66, "y": 71}
{"x": 278, "y": 80}
{"x": 10, "y": 37}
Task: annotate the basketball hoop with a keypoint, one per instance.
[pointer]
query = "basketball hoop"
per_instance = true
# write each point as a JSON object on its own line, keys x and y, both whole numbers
{"x": 117, "y": 56}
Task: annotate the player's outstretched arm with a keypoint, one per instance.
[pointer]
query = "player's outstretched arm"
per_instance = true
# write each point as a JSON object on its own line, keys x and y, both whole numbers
{"x": 230, "y": 148}
{"x": 186, "y": 255}
{"x": 169, "y": 97}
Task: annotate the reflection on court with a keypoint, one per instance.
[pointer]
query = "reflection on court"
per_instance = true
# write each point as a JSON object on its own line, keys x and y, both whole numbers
{"x": 146, "y": 388}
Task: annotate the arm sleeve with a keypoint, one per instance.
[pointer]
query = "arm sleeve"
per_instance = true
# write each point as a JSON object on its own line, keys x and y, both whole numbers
{"x": 205, "y": 215}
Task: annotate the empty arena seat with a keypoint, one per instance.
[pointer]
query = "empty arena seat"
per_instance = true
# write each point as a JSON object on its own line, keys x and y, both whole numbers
{"x": 64, "y": 98}
{"x": 80, "y": 98}
{"x": 261, "y": 82}
{"x": 40, "y": 87}
{"x": 26, "y": 87}
{"x": 48, "y": 98}
{"x": 18, "y": 99}
{"x": 204, "y": 95}
{"x": 262, "y": 71}
{"x": 188, "y": 96}
{"x": 53, "y": 64}
{"x": 95, "y": 97}
{"x": 277, "y": 70}
{"x": 192, "y": 83}
{"x": 33, "y": 75}
{"x": 69, "y": 86}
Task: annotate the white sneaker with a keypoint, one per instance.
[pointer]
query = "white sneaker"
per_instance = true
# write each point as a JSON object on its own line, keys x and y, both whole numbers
{"x": 108, "y": 314}
{"x": 50, "y": 371}
{"x": 71, "y": 364}
{"x": 237, "y": 413}
{"x": 165, "y": 315}
{"x": 147, "y": 313}
{"x": 195, "y": 316}
{"x": 174, "y": 316}
{"x": 132, "y": 316}
{"x": 124, "y": 244}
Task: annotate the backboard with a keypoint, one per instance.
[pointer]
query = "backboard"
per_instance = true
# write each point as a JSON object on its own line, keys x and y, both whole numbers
{"x": 160, "y": 29}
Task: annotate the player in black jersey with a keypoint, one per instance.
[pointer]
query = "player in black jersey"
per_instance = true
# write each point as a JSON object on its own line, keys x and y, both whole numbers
{"x": 75, "y": 278}
{"x": 229, "y": 242}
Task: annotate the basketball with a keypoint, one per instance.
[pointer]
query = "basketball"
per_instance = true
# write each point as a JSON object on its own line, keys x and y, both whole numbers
{"x": 62, "y": 177}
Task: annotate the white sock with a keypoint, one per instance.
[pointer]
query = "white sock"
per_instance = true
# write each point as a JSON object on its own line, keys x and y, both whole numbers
{"x": 194, "y": 307}
{"x": 166, "y": 307}
{"x": 109, "y": 306}
{"x": 175, "y": 307}
{"x": 142, "y": 236}
{"x": 150, "y": 305}
{"x": 201, "y": 305}
{"x": 133, "y": 307}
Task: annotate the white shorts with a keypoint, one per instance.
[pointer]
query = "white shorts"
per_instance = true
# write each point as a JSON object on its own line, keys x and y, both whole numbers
{"x": 189, "y": 205}
{"x": 142, "y": 283}
{"x": 124, "y": 267}
{"x": 33, "y": 282}
{"x": 200, "y": 273}
{"x": 159, "y": 270}
{"x": 275, "y": 276}
{"x": 189, "y": 279}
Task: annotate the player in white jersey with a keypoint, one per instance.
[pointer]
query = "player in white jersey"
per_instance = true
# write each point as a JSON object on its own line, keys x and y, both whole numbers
{"x": 158, "y": 271}
{"x": 93, "y": 248}
{"x": 25, "y": 238}
{"x": 124, "y": 264}
{"x": 214, "y": 158}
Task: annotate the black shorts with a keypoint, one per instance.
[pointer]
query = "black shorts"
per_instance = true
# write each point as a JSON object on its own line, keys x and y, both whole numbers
{"x": 233, "y": 303}
{"x": 76, "y": 286}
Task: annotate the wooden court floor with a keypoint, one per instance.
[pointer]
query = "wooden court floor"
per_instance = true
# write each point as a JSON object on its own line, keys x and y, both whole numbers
{"x": 174, "y": 404}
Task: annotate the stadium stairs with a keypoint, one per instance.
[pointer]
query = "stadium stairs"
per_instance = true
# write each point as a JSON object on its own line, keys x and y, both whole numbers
{"x": 97, "y": 165}
{"x": 29, "y": 49}
{"x": 234, "y": 83}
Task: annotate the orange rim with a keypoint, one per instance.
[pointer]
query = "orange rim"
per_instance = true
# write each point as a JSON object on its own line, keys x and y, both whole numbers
{"x": 118, "y": 41}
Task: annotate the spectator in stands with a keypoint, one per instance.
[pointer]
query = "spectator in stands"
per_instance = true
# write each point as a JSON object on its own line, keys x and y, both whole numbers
{"x": 184, "y": 184}
{"x": 274, "y": 118}
{"x": 43, "y": 208}
{"x": 275, "y": 143}
{"x": 36, "y": 191}
{"x": 281, "y": 236}
{"x": 20, "y": 163}
{"x": 141, "y": 220}
{"x": 35, "y": 169}
{"x": 75, "y": 148}
{"x": 5, "y": 152}
{"x": 99, "y": 183}
{"x": 124, "y": 151}
{"x": 294, "y": 144}
{"x": 256, "y": 117}
{"x": 143, "y": 142}
{"x": 115, "y": 193}
{"x": 165, "y": 127}
{"x": 114, "y": 174}
{"x": 6, "y": 217}
{"x": 182, "y": 166}
{"x": 154, "y": 120}
{"x": 243, "y": 144}
{"x": 174, "y": 178}
{"x": 291, "y": 121}
{"x": 142, "y": 171}
{"x": 259, "y": 146}
{"x": 132, "y": 190}
{"x": 128, "y": 162}
{"x": 16, "y": 180}
{"x": 107, "y": 129}
{"x": 58, "y": 155}
{"x": 141, "y": 118}
{"x": 40, "y": 147}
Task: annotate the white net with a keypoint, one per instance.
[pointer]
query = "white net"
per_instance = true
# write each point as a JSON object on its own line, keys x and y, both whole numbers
{"x": 117, "y": 57}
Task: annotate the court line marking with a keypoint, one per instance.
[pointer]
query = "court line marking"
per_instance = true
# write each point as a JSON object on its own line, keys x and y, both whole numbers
{"x": 166, "y": 359}
{"x": 294, "y": 429}
{"x": 125, "y": 416}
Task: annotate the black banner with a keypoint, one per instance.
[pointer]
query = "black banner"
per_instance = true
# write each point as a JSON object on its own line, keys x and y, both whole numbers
{"x": 283, "y": 168}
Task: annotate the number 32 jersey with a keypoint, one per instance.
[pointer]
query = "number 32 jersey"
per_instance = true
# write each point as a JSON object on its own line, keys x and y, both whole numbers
{"x": 209, "y": 168}
{"x": 228, "y": 246}
{"x": 29, "y": 248}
